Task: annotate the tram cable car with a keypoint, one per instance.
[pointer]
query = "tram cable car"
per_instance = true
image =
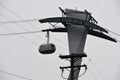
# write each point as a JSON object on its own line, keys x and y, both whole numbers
{"x": 47, "y": 48}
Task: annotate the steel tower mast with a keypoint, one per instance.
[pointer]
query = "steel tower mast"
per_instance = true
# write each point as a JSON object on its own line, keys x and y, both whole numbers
{"x": 77, "y": 25}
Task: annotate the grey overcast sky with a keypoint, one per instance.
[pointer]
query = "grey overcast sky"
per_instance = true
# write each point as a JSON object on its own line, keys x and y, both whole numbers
{"x": 19, "y": 53}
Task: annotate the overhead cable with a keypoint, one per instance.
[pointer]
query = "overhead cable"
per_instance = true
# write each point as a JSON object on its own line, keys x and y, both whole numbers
{"x": 117, "y": 35}
{"x": 15, "y": 75}
{"x": 92, "y": 74}
{"x": 19, "y": 25}
{"x": 17, "y": 15}
{"x": 8, "y": 34}
{"x": 19, "y": 18}
{"x": 29, "y": 32}
{"x": 19, "y": 21}
{"x": 113, "y": 32}
{"x": 95, "y": 67}
{"x": 59, "y": 40}
{"x": 20, "y": 35}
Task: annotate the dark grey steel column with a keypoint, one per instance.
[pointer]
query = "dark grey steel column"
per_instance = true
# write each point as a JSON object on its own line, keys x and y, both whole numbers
{"x": 76, "y": 38}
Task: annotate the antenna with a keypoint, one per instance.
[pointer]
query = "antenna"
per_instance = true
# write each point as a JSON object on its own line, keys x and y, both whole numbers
{"x": 63, "y": 12}
{"x": 76, "y": 8}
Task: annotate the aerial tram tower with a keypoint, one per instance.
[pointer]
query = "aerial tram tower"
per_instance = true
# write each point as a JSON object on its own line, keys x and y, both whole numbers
{"x": 77, "y": 24}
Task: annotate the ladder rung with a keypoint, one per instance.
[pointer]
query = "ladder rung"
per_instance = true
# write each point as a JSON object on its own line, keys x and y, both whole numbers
{"x": 74, "y": 66}
{"x": 73, "y": 56}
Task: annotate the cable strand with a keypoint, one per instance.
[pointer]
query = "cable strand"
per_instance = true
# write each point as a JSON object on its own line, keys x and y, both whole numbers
{"x": 17, "y": 15}
{"x": 19, "y": 21}
{"x": 20, "y": 35}
{"x": 8, "y": 34}
{"x": 15, "y": 75}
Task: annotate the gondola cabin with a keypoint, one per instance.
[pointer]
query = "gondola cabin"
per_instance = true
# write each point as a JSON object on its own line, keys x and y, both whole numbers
{"x": 47, "y": 48}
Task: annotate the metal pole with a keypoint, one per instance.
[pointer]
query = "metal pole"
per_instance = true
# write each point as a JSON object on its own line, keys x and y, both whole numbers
{"x": 48, "y": 38}
{"x": 72, "y": 68}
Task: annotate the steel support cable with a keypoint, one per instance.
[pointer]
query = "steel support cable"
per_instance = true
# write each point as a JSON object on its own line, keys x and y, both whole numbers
{"x": 91, "y": 73}
{"x": 95, "y": 67}
{"x": 20, "y": 18}
{"x": 15, "y": 75}
{"x": 33, "y": 31}
{"x": 113, "y": 32}
{"x": 19, "y": 21}
{"x": 20, "y": 35}
{"x": 58, "y": 40}
{"x": 86, "y": 77}
{"x": 20, "y": 26}
{"x": 30, "y": 32}
{"x": 10, "y": 34}
{"x": 118, "y": 35}
{"x": 118, "y": 41}
{"x": 17, "y": 15}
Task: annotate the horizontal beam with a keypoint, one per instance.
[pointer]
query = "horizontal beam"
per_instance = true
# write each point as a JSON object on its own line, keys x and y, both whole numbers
{"x": 90, "y": 31}
{"x": 76, "y": 21}
{"x": 74, "y": 66}
{"x": 72, "y": 56}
